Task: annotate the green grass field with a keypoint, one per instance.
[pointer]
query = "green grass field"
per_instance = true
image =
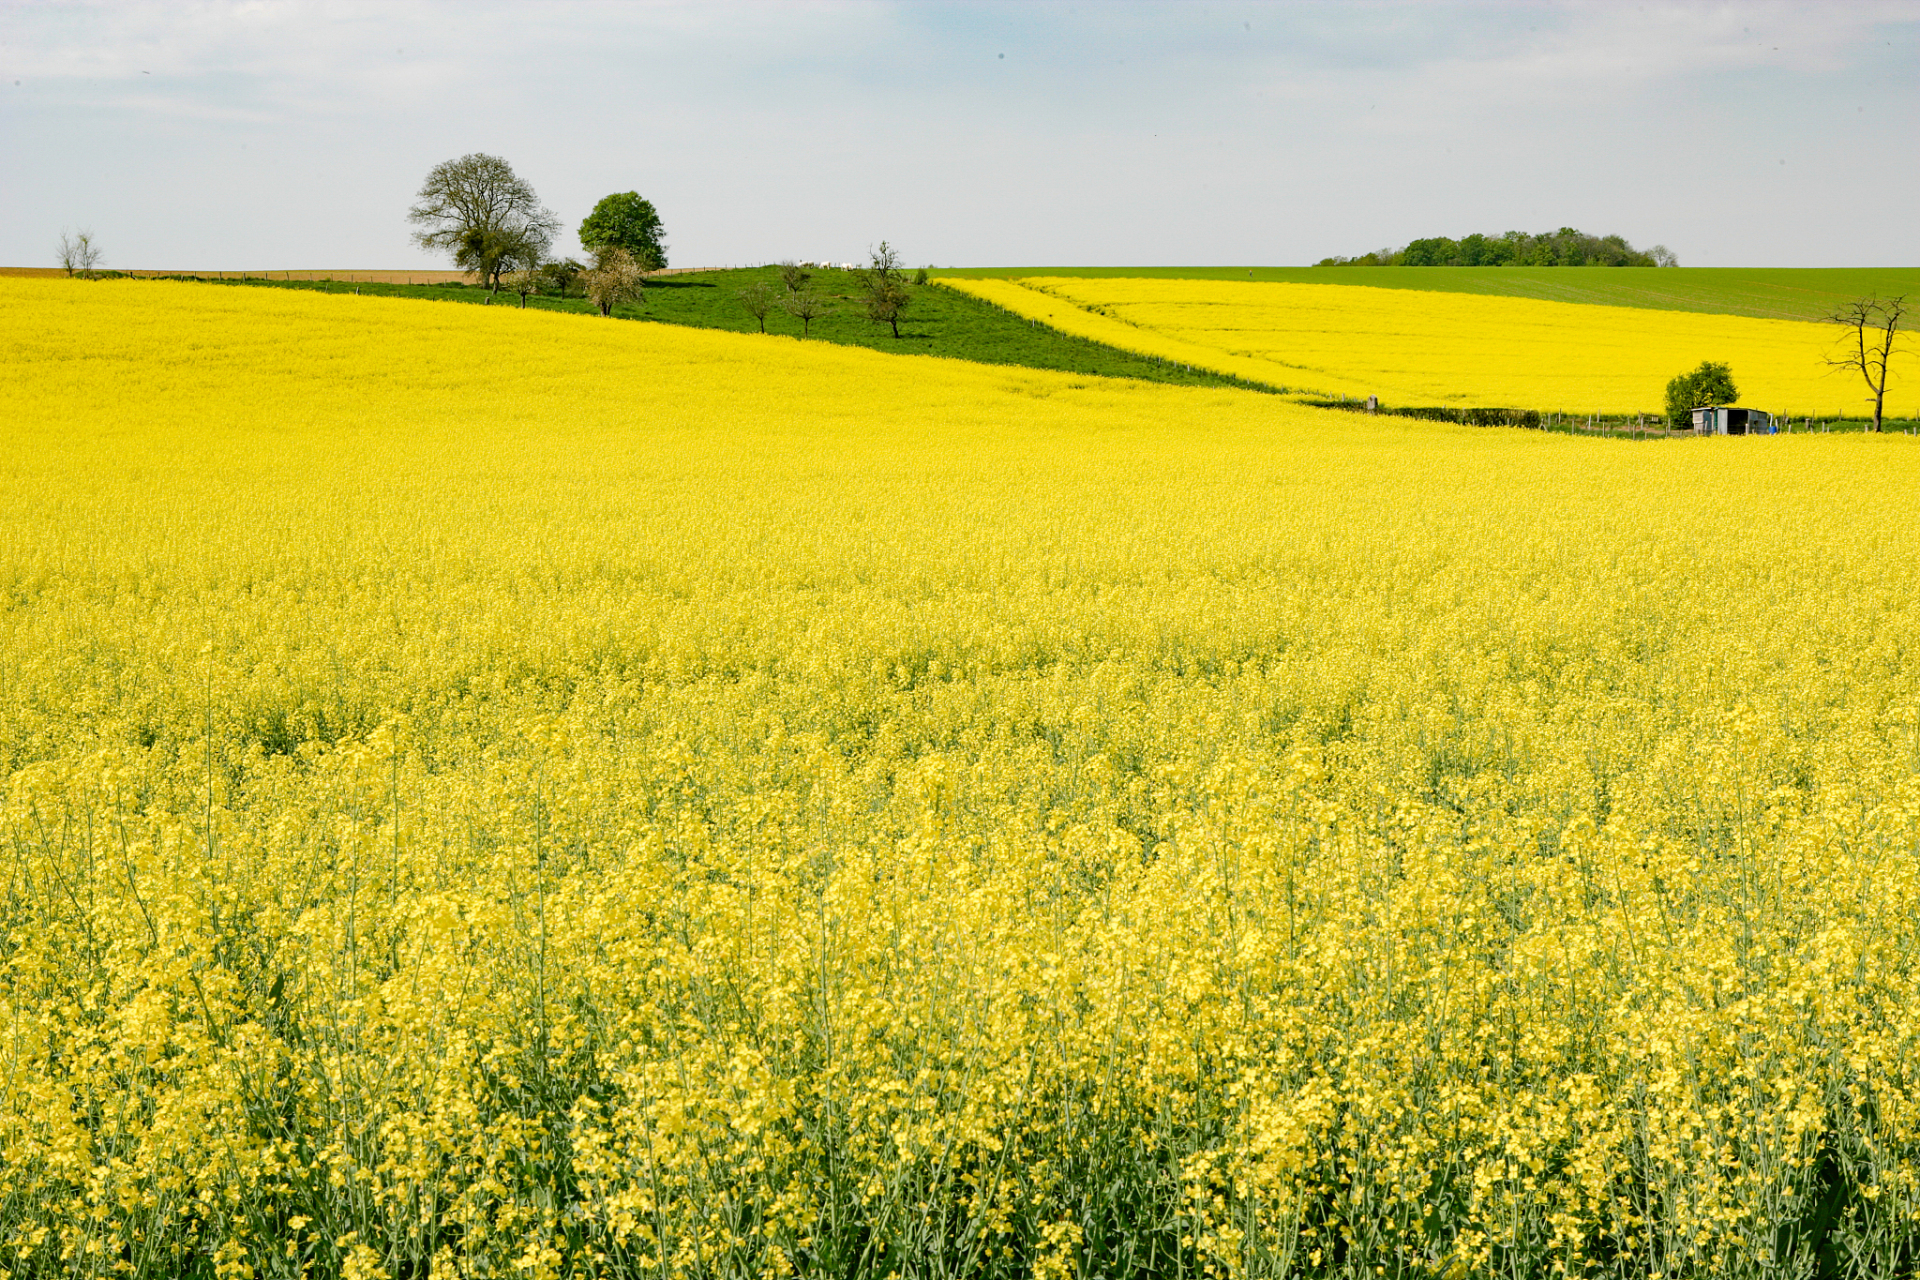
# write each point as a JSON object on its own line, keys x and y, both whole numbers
{"x": 1770, "y": 293}
{"x": 940, "y": 322}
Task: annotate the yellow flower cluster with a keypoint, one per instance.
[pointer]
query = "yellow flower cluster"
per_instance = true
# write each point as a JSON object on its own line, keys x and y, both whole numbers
{"x": 489, "y": 793}
{"x": 1450, "y": 349}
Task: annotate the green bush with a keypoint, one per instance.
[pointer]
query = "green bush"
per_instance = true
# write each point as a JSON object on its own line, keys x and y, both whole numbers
{"x": 562, "y": 278}
{"x": 1711, "y": 383}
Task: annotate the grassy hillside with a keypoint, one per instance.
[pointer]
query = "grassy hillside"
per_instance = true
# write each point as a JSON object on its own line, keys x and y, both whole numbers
{"x": 1768, "y": 293}
{"x": 941, "y": 322}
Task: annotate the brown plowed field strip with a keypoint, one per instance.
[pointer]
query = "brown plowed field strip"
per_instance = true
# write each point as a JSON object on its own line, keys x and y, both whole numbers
{"x": 381, "y": 277}
{"x": 371, "y": 277}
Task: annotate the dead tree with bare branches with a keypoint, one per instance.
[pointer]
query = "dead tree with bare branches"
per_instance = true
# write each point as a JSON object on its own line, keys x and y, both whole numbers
{"x": 79, "y": 254}
{"x": 1873, "y": 326}
{"x": 806, "y": 306}
{"x": 759, "y": 299}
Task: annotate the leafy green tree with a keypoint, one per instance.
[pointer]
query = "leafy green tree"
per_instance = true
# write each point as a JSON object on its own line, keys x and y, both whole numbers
{"x": 483, "y": 214}
{"x": 1567, "y": 247}
{"x": 1710, "y": 384}
{"x": 1435, "y": 252}
{"x": 1478, "y": 250}
{"x": 625, "y": 221}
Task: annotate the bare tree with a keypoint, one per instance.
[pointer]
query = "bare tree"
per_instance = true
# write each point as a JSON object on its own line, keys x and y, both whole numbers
{"x": 794, "y": 276}
{"x": 806, "y": 306}
{"x": 1874, "y": 327}
{"x": 758, "y": 299}
{"x": 887, "y": 301}
{"x": 477, "y": 209}
{"x": 882, "y": 264}
{"x": 885, "y": 283}
{"x": 78, "y": 253}
{"x": 613, "y": 278}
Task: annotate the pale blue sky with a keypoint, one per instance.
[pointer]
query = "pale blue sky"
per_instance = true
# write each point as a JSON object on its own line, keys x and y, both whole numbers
{"x": 283, "y": 134}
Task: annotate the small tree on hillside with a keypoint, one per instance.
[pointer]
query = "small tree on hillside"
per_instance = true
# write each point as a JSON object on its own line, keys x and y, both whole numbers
{"x": 885, "y": 284}
{"x": 882, "y": 264}
{"x": 613, "y": 278}
{"x": 1711, "y": 383}
{"x": 806, "y": 306}
{"x": 625, "y": 221}
{"x": 1873, "y": 328}
{"x": 794, "y": 276}
{"x": 887, "y": 301}
{"x": 492, "y": 254}
{"x": 759, "y": 299}
{"x": 524, "y": 281}
{"x": 78, "y": 254}
{"x": 563, "y": 276}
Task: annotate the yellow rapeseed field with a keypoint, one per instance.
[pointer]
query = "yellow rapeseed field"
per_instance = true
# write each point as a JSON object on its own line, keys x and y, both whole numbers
{"x": 1451, "y": 349}
{"x": 489, "y": 793}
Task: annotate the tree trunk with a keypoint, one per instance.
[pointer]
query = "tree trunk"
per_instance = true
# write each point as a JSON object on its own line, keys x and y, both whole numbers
{"x": 896, "y": 327}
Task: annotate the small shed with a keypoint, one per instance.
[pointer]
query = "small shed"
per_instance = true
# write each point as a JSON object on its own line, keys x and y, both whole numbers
{"x": 1719, "y": 420}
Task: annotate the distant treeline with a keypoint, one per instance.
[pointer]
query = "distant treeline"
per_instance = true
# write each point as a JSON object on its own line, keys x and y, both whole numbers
{"x": 1563, "y": 248}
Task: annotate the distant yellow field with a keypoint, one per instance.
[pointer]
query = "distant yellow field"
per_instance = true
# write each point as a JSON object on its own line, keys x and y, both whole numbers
{"x": 494, "y": 793}
{"x": 1414, "y": 348}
